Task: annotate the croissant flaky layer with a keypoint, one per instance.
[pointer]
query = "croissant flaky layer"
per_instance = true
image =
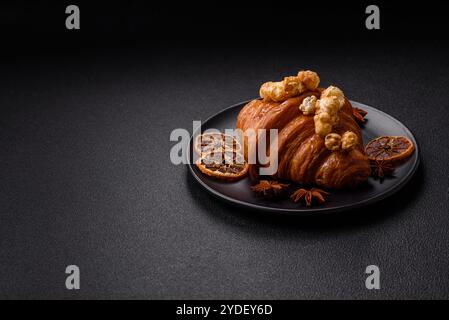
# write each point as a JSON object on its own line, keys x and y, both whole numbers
{"x": 302, "y": 155}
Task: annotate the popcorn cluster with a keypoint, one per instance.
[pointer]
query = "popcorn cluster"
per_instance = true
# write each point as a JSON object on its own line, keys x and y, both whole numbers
{"x": 332, "y": 91}
{"x": 309, "y": 78}
{"x": 326, "y": 116}
{"x": 325, "y": 109}
{"x": 334, "y": 141}
{"x": 308, "y": 105}
{"x": 349, "y": 140}
{"x": 290, "y": 86}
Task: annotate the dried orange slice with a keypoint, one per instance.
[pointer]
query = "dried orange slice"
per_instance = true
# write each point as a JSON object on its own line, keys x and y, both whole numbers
{"x": 389, "y": 148}
{"x": 215, "y": 141}
{"x": 229, "y": 166}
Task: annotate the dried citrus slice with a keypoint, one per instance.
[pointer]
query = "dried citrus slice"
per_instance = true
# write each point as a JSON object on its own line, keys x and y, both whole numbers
{"x": 216, "y": 141}
{"x": 389, "y": 148}
{"x": 229, "y": 166}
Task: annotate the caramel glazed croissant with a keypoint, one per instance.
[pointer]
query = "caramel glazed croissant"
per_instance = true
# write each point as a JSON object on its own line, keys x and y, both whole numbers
{"x": 319, "y": 142}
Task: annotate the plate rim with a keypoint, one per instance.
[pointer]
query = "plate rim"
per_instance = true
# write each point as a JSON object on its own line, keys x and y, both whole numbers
{"x": 308, "y": 211}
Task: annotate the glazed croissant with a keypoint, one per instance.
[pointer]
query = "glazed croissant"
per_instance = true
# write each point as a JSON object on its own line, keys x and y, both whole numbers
{"x": 302, "y": 154}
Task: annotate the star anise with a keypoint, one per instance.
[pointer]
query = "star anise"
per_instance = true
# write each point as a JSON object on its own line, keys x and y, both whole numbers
{"x": 269, "y": 188}
{"x": 359, "y": 114}
{"x": 381, "y": 169}
{"x": 309, "y": 195}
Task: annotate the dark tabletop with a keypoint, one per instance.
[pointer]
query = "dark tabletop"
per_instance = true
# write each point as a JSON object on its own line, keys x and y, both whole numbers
{"x": 86, "y": 178}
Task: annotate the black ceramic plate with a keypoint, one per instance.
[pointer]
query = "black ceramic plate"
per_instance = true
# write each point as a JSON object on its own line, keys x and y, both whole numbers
{"x": 378, "y": 124}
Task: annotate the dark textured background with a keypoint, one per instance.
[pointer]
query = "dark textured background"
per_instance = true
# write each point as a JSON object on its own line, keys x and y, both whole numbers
{"x": 86, "y": 177}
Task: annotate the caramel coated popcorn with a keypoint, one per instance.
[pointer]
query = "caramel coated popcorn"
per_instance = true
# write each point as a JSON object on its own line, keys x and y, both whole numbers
{"x": 282, "y": 90}
{"x": 332, "y": 91}
{"x": 332, "y": 141}
{"x": 323, "y": 124}
{"x": 349, "y": 140}
{"x": 273, "y": 91}
{"x": 290, "y": 87}
{"x": 327, "y": 108}
{"x": 310, "y": 79}
{"x": 328, "y": 105}
{"x": 308, "y": 105}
